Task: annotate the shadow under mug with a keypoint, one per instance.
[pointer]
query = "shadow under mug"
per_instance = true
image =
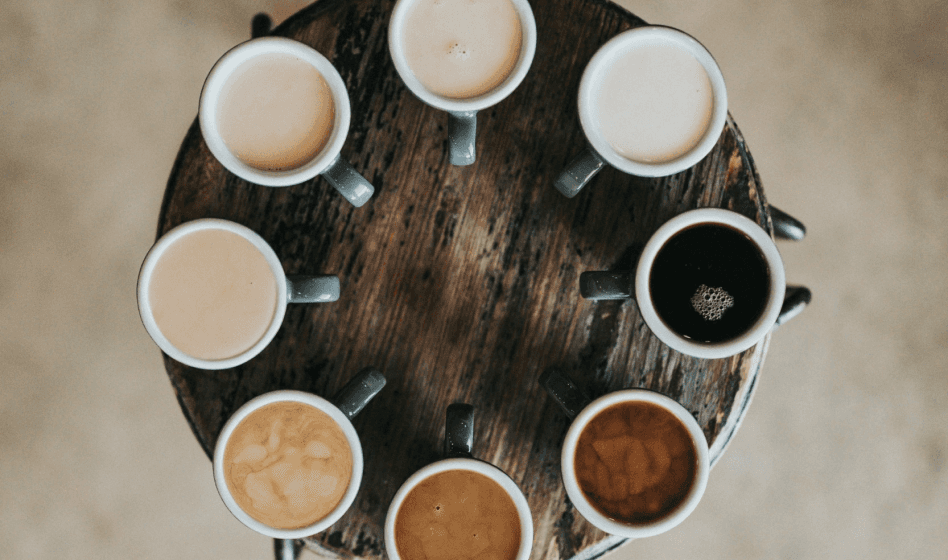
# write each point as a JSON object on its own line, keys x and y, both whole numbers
{"x": 348, "y": 402}
{"x": 458, "y": 448}
{"x": 290, "y": 289}
{"x": 581, "y": 411}
{"x": 462, "y": 112}
{"x": 599, "y": 151}
{"x": 327, "y": 162}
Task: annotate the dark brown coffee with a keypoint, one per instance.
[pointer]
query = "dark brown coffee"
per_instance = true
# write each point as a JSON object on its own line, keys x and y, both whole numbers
{"x": 635, "y": 462}
{"x": 457, "y": 515}
{"x": 709, "y": 283}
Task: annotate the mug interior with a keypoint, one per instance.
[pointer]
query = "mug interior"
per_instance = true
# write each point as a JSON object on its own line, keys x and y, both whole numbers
{"x": 352, "y": 437}
{"x": 596, "y": 71}
{"x": 154, "y": 256}
{"x": 527, "y": 50}
{"x": 767, "y": 249}
{"x": 474, "y": 465}
{"x": 582, "y": 504}
{"x": 218, "y": 78}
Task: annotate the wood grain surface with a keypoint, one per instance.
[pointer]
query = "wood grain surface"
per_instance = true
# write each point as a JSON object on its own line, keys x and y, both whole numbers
{"x": 461, "y": 283}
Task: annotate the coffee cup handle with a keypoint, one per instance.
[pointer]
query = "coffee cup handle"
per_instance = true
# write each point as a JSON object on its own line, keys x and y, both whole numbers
{"x": 603, "y": 285}
{"x": 462, "y": 132}
{"x": 348, "y": 182}
{"x": 459, "y": 431}
{"x": 579, "y": 172}
{"x": 312, "y": 289}
{"x": 564, "y": 391}
{"x": 357, "y": 393}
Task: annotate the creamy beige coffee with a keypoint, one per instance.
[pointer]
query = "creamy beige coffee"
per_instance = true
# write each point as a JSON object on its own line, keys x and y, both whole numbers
{"x": 457, "y": 515}
{"x": 655, "y": 102}
{"x": 462, "y": 48}
{"x": 276, "y": 112}
{"x": 212, "y": 294}
{"x": 287, "y": 464}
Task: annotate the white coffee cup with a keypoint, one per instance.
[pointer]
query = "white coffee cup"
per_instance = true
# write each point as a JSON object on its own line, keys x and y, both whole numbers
{"x": 327, "y": 162}
{"x": 462, "y": 119}
{"x": 295, "y": 289}
{"x": 581, "y": 170}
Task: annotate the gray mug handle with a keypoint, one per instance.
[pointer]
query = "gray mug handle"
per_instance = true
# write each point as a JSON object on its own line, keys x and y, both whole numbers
{"x": 357, "y": 393}
{"x": 459, "y": 431}
{"x": 312, "y": 289}
{"x": 579, "y": 172}
{"x": 348, "y": 182}
{"x": 462, "y": 133}
{"x": 564, "y": 391}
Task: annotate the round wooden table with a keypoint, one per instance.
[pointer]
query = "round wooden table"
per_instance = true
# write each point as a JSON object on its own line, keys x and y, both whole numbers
{"x": 461, "y": 284}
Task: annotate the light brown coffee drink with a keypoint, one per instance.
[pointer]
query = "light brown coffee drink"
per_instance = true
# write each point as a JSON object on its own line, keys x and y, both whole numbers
{"x": 457, "y": 515}
{"x": 635, "y": 462}
{"x": 212, "y": 294}
{"x": 276, "y": 112}
{"x": 288, "y": 464}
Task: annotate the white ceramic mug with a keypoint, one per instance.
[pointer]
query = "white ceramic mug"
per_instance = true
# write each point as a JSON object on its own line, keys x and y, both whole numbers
{"x": 293, "y": 289}
{"x": 327, "y": 162}
{"x": 578, "y": 407}
{"x": 343, "y": 407}
{"x": 619, "y": 285}
{"x": 599, "y": 152}
{"x": 459, "y": 440}
{"x": 462, "y": 113}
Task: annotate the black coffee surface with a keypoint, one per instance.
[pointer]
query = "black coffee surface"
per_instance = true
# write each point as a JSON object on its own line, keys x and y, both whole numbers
{"x": 713, "y": 261}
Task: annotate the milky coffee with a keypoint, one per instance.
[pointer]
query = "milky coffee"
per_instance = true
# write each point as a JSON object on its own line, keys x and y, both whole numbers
{"x": 212, "y": 294}
{"x": 276, "y": 112}
{"x": 457, "y": 515}
{"x": 655, "y": 102}
{"x": 462, "y": 48}
{"x": 287, "y": 464}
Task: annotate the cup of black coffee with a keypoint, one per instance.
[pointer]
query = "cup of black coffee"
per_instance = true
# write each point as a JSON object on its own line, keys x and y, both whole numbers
{"x": 709, "y": 283}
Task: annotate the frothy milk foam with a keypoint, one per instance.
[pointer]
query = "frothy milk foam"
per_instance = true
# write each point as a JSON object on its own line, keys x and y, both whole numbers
{"x": 276, "y": 112}
{"x": 655, "y": 102}
{"x": 462, "y": 48}
{"x": 212, "y": 294}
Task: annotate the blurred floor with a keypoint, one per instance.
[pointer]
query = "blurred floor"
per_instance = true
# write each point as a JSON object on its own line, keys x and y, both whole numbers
{"x": 842, "y": 454}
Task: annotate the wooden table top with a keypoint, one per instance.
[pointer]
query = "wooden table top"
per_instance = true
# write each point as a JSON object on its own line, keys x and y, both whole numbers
{"x": 461, "y": 284}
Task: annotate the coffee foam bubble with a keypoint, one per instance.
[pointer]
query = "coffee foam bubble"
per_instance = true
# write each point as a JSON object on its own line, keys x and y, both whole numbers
{"x": 711, "y": 303}
{"x": 459, "y": 51}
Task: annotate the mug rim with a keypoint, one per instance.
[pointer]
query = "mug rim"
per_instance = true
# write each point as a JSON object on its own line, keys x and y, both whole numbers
{"x": 222, "y": 71}
{"x": 147, "y": 270}
{"x": 465, "y": 464}
{"x": 528, "y": 45}
{"x": 288, "y": 395}
{"x": 592, "y": 78}
{"x": 764, "y": 244}
{"x": 639, "y": 530}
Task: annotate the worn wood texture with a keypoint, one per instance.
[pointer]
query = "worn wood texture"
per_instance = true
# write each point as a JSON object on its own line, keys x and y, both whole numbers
{"x": 461, "y": 283}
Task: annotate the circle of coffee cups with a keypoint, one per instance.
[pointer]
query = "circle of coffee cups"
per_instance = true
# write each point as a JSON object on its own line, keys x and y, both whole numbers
{"x": 585, "y": 166}
{"x": 327, "y": 162}
{"x": 606, "y": 285}
{"x": 289, "y": 290}
{"x": 638, "y": 530}
{"x": 320, "y": 404}
{"x": 462, "y": 111}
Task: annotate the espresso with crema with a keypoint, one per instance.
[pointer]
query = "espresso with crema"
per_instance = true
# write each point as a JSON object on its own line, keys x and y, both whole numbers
{"x": 655, "y": 102}
{"x": 635, "y": 462}
{"x": 276, "y": 112}
{"x": 212, "y": 294}
{"x": 457, "y": 515}
{"x": 288, "y": 465}
{"x": 462, "y": 48}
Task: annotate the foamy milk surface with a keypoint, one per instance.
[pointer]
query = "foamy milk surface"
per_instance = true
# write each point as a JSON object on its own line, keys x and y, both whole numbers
{"x": 462, "y": 48}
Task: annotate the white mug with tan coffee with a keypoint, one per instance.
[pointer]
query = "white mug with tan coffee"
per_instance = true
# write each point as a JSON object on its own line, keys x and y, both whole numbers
{"x": 212, "y": 293}
{"x": 462, "y": 56}
{"x": 275, "y": 112}
{"x": 652, "y": 103}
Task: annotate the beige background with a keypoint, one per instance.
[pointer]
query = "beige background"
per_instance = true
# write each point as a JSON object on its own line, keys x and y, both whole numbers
{"x": 843, "y": 453}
